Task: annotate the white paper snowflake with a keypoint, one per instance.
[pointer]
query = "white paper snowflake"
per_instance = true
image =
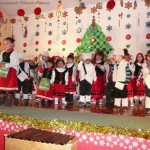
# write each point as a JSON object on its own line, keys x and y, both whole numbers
{"x": 84, "y": 137}
{"x": 143, "y": 146}
{"x": 102, "y": 143}
{"x": 128, "y": 26}
{"x": 77, "y": 134}
{"x": 79, "y": 30}
{"x": 127, "y": 141}
{"x": 64, "y": 32}
{"x": 135, "y": 144}
{"x": 109, "y": 28}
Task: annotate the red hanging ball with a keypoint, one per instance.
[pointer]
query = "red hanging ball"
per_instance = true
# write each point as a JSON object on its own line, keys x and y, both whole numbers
{"x": 128, "y": 36}
{"x": 1, "y": 14}
{"x": 37, "y": 11}
{"x": 108, "y": 38}
{"x": 78, "y": 40}
{"x": 148, "y": 36}
{"x": 24, "y": 44}
{"x": 49, "y": 42}
{"x": 21, "y": 12}
{"x": 111, "y": 4}
{"x": 64, "y": 42}
{"x": 37, "y": 43}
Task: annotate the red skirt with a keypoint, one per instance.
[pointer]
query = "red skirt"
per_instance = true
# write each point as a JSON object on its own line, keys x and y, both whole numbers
{"x": 10, "y": 83}
{"x": 130, "y": 88}
{"x": 71, "y": 87}
{"x": 59, "y": 90}
{"x": 140, "y": 89}
{"x": 98, "y": 88}
{"x": 48, "y": 95}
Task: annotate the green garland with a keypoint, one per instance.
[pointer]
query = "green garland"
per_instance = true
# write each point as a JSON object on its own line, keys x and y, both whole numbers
{"x": 74, "y": 125}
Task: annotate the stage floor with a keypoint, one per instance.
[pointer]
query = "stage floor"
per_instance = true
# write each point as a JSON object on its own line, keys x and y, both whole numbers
{"x": 83, "y": 114}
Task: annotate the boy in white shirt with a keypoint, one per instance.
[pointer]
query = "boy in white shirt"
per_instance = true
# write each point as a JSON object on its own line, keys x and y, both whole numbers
{"x": 87, "y": 75}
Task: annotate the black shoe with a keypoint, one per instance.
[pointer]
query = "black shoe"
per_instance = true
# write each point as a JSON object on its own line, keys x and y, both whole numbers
{"x": 88, "y": 104}
{"x": 81, "y": 104}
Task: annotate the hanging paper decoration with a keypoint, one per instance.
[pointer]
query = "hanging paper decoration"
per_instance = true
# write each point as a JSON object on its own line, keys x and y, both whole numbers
{"x": 128, "y": 15}
{"x": 1, "y": 15}
{"x": 78, "y": 11}
{"x": 120, "y": 17}
{"x": 64, "y": 42}
{"x": 37, "y": 11}
{"x": 21, "y": 12}
{"x": 13, "y": 20}
{"x": 109, "y": 28}
{"x": 148, "y": 36}
{"x": 24, "y": 44}
{"x": 37, "y": 33}
{"x": 121, "y": 3}
{"x": 79, "y": 30}
{"x": 128, "y": 5}
{"x": 135, "y": 5}
{"x": 148, "y": 14}
{"x": 49, "y": 49}
{"x": 109, "y": 18}
{"x": 78, "y": 40}
{"x": 37, "y": 43}
{"x": 108, "y": 38}
{"x": 82, "y": 5}
{"x": 99, "y": 5}
{"x": 50, "y": 15}
{"x": 25, "y": 32}
{"x": 36, "y": 49}
{"x": 148, "y": 44}
{"x": 24, "y": 51}
{"x": 148, "y": 24}
{"x": 50, "y": 33}
{"x": 93, "y": 10}
{"x": 63, "y": 49}
{"x": 110, "y": 5}
{"x": 128, "y": 46}
{"x": 13, "y": 33}
{"x": 128, "y": 36}
{"x": 93, "y": 40}
{"x": 64, "y": 32}
{"x": 26, "y": 18}
{"x": 128, "y": 26}
{"x": 49, "y": 42}
{"x": 65, "y": 14}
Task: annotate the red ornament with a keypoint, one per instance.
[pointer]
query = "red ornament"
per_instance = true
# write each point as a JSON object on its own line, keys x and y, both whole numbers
{"x": 24, "y": 44}
{"x": 37, "y": 11}
{"x": 110, "y": 5}
{"x": 1, "y": 14}
{"x": 78, "y": 40}
{"x": 21, "y": 12}
{"x": 64, "y": 42}
{"x": 93, "y": 40}
{"x": 128, "y": 36}
{"x": 49, "y": 42}
{"x": 37, "y": 43}
{"x": 148, "y": 36}
{"x": 108, "y": 38}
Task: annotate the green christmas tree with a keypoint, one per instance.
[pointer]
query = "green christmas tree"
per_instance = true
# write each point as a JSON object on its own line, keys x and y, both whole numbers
{"x": 94, "y": 39}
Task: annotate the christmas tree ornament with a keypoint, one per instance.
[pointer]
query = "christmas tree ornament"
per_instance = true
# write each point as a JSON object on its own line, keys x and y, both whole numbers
{"x": 36, "y": 49}
{"x": 121, "y": 3}
{"x": 64, "y": 32}
{"x": 24, "y": 44}
{"x": 110, "y": 5}
{"x": 81, "y": 5}
{"x": 20, "y": 12}
{"x": 50, "y": 15}
{"x": 0, "y": 34}
{"x": 99, "y": 6}
{"x": 148, "y": 24}
{"x": 78, "y": 40}
{"x": 128, "y": 36}
{"x": 148, "y": 36}
{"x": 128, "y": 46}
{"x": 49, "y": 49}
{"x": 50, "y": 33}
{"x": 128, "y": 15}
{"x": 135, "y": 5}
{"x": 50, "y": 24}
{"x": 24, "y": 51}
{"x": 63, "y": 49}
{"x": 148, "y": 44}
{"x": 36, "y": 42}
{"x": 59, "y": 9}
{"x": 128, "y": 26}
{"x": 128, "y": 5}
{"x": 79, "y": 30}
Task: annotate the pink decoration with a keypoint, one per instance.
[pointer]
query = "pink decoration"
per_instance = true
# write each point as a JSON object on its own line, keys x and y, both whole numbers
{"x": 49, "y": 42}
{"x": 64, "y": 42}
{"x": 37, "y": 11}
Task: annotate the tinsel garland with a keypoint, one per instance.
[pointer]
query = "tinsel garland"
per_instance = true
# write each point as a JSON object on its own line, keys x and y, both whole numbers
{"x": 74, "y": 125}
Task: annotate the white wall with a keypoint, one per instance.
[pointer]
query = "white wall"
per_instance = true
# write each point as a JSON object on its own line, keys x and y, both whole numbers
{"x": 138, "y": 32}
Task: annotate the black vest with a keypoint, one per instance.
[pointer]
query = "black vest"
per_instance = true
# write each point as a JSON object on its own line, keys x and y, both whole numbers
{"x": 6, "y": 57}
{"x": 98, "y": 70}
{"x": 47, "y": 73}
{"x": 70, "y": 71}
{"x": 60, "y": 76}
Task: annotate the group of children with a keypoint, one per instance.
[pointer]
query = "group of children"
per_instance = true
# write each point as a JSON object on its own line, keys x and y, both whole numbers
{"x": 122, "y": 82}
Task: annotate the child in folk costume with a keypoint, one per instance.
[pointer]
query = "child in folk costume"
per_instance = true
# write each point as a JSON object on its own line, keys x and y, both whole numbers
{"x": 98, "y": 88}
{"x": 130, "y": 85}
{"x": 9, "y": 62}
{"x": 121, "y": 77}
{"x": 23, "y": 80}
{"x": 71, "y": 87}
{"x": 110, "y": 83}
{"x": 87, "y": 76}
{"x": 60, "y": 80}
{"x": 46, "y": 93}
{"x": 145, "y": 73}
{"x": 139, "y": 90}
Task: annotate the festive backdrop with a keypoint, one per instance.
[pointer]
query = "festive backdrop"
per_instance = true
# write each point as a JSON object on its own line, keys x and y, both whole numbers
{"x": 118, "y": 24}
